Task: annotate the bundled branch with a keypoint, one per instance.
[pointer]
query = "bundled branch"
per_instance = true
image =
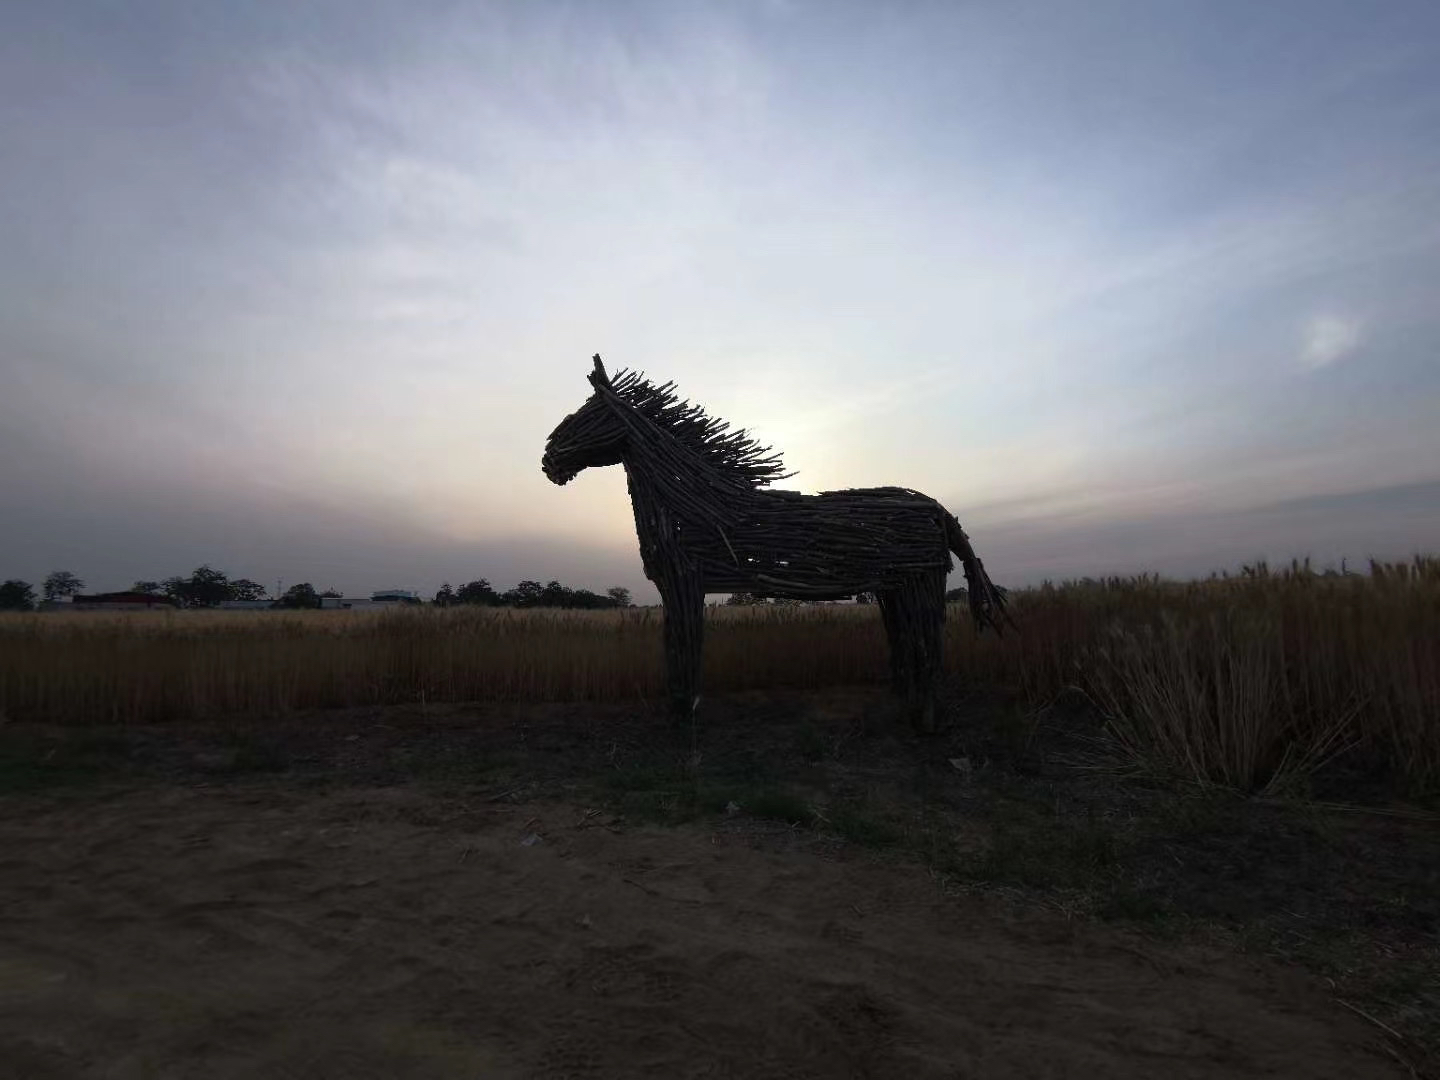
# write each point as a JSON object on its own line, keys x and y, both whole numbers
{"x": 708, "y": 522}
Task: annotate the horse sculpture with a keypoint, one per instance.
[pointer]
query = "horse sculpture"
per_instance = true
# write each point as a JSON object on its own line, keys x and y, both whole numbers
{"x": 707, "y": 523}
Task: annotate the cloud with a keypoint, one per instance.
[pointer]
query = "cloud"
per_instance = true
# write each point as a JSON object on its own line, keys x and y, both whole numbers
{"x": 1379, "y": 522}
{"x": 1328, "y": 339}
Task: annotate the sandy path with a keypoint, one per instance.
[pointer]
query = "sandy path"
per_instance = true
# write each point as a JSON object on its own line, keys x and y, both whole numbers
{"x": 254, "y": 932}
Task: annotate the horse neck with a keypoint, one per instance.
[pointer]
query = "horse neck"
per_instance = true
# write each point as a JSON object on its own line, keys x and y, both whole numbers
{"x": 670, "y": 474}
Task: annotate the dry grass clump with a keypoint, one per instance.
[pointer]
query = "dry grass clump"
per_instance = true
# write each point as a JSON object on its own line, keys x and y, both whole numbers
{"x": 1247, "y": 681}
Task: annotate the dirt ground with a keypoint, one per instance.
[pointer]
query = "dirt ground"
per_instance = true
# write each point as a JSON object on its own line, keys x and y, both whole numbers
{"x": 304, "y": 916}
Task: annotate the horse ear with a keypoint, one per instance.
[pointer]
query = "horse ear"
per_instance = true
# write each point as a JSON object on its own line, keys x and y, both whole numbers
{"x": 598, "y": 376}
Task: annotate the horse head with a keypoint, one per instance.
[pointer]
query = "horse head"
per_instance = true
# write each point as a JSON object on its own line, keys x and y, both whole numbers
{"x": 591, "y": 437}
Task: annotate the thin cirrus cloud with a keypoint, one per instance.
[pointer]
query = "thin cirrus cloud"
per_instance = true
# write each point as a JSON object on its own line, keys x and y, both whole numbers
{"x": 1329, "y": 339}
{"x": 301, "y": 290}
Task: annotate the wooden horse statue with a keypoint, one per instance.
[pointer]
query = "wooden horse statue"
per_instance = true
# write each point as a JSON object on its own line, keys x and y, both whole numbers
{"x": 707, "y": 522}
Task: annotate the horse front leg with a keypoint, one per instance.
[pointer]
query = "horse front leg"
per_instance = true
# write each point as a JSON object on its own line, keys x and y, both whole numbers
{"x": 684, "y": 600}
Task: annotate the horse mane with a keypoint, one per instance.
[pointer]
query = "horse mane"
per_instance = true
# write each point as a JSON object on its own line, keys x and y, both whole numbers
{"x": 733, "y": 453}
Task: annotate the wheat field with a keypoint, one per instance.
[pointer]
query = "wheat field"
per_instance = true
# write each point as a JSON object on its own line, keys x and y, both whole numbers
{"x": 1243, "y": 680}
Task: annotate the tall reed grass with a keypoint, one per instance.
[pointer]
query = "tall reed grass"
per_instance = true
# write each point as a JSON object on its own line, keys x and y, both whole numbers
{"x": 1242, "y": 680}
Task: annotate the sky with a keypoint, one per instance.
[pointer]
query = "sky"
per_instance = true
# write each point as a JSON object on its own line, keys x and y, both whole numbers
{"x": 298, "y": 290}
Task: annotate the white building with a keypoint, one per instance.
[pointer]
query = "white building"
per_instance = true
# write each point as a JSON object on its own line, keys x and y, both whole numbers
{"x": 377, "y": 601}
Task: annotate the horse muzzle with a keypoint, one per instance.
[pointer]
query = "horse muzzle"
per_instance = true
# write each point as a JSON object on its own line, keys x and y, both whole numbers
{"x": 554, "y": 473}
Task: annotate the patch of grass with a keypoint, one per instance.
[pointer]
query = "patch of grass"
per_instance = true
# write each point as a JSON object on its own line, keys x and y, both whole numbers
{"x": 644, "y": 778}
{"x": 30, "y": 763}
{"x": 672, "y": 795}
{"x": 245, "y": 753}
{"x": 257, "y": 753}
{"x": 1064, "y": 855}
{"x": 658, "y": 806}
{"x": 447, "y": 769}
{"x": 657, "y": 794}
{"x": 1196, "y": 819}
{"x": 810, "y": 743}
{"x": 778, "y": 806}
{"x": 1127, "y": 902}
{"x": 864, "y": 828}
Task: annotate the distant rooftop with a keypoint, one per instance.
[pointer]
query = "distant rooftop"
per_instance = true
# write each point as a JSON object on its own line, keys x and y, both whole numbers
{"x": 395, "y": 594}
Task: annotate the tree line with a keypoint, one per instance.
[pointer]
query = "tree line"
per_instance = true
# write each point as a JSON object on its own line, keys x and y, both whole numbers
{"x": 530, "y": 594}
{"x": 17, "y": 595}
{"x": 203, "y": 587}
{"x": 206, "y": 587}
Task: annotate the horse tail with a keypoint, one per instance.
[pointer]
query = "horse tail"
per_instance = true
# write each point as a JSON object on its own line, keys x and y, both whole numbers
{"x": 988, "y": 601}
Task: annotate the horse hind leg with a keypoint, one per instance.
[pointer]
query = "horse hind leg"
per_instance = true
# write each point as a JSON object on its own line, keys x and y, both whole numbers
{"x": 929, "y": 651}
{"x": 920, "y": 627}
{"x": 913, "y": 623}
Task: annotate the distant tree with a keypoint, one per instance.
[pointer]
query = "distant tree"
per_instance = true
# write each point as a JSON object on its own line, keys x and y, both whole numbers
{"x": 300, "y": 596}
{"x": 17, "y": 595}
{"x": 958, "y": 596}
{"x": 477, "y": 592}
{"x": 61, "y": 583}
{"x": 745, "y": 599}
{"x": 151, "y": 588}
{"x": 205, "y": 587}
{"x": 555, "y": 595}
{"x": 528, "y": 594}
{"x": 584, "y": 598}
{"x": 865, "y": 598}
{"x": 525, "y": 594}
{"x": 245, "y": 589}
{"x": 209, "y": 586}
{"x": 332, "y": 594}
